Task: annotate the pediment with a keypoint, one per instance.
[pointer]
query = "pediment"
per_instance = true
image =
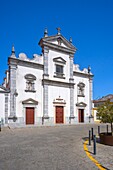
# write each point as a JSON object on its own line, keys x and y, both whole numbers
{"x": 54, "y": 40}
{"x": 59, "y": 101}
{"x": 30, "y": 101}
{"x": 59, "y": 60}
{"x": 81, "y": 104}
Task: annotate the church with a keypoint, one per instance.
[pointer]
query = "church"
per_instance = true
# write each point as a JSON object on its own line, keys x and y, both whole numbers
{"x": 47, "y": 89}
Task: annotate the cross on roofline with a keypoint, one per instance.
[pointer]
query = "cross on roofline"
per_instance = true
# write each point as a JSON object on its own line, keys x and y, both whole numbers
{"x": 58, "y": 29}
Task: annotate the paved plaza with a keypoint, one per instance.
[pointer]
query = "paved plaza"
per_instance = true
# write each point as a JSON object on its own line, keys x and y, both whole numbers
{"x": 51, "y": 148}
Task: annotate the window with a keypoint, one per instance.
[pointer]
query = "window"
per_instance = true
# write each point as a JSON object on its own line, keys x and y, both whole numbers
{"x": 59, "y": 64}
{"x": 81, "y": 87}
{"x": 59, "y": 70}
{"x": 30, "y": 83}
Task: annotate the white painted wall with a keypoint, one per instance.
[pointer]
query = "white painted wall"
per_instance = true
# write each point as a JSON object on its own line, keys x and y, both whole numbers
{"x": 2, "y": 106}
{"x": 51, "y": 65}
{"x": 22, "y": 95}
{"x": 77, "y": 80}
{"x": 54, "y": 93}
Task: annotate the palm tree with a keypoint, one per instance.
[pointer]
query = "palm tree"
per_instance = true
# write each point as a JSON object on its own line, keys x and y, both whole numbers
{"x": 105, "y": 113}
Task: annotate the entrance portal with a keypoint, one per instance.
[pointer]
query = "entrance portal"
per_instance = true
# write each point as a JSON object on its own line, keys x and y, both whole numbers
{"x": 29, "y": 115}
{"x": 59, "y": 114}
{"x": 81, "y": 115}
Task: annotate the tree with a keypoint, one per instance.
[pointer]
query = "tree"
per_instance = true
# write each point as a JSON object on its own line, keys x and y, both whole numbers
{"x": 105, "y": 113}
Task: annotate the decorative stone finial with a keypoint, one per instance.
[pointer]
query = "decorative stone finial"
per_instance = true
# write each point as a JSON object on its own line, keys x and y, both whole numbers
{"x": 45, "y": 32}
{"x": 58, "y": 30}
{"x": 70, "y": 40}
{"x": 13, "y": 50}
{"x": 89, "y": 69}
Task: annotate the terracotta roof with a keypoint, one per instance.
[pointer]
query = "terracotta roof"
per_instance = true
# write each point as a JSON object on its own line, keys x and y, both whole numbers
{"x": 104, "y": 98}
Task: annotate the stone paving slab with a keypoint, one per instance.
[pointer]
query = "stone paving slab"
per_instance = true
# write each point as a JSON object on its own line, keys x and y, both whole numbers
{"x": 104, "y": 155}
{"x": 50, "y": 148}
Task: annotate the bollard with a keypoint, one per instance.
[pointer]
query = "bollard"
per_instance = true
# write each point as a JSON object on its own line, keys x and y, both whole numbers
{"x": 94, "y": 145}
{"x": 89, "y": 137}
{"x": 0, "y": 126}
{"x": 92, "y": 133}
{"x": 98, "y": 130}
{"x": 107, "y": 128}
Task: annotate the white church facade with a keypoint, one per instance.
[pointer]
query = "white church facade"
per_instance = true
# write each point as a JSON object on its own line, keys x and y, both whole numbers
{"x": 49, "y": 88}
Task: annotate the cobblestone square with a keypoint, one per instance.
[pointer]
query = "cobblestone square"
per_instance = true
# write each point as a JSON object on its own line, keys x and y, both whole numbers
{"x": 50, "y": 148}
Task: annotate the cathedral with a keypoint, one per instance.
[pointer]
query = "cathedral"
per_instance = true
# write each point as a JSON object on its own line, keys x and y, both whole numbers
{"x": 47, "y": 89}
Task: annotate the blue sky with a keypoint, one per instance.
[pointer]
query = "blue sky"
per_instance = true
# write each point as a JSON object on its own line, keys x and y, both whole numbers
{"x": 88, "y": 22}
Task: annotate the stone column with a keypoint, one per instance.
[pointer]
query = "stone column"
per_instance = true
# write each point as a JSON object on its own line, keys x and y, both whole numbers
{"x": 6, "y": 108}
{"x": 90, "y": 94}
{"x": 45, "y": 75}
{"x": 45, "y": 101}
{"x": 71, "y": 67}
{"x": 45, "y": 86}
{"x": 12, "y": 90}
{"x": 71, "y": 80}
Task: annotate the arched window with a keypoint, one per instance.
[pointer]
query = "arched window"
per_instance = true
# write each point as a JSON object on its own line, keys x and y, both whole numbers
{"x": 81, "y": 87}
{"x": 30, "y": 83}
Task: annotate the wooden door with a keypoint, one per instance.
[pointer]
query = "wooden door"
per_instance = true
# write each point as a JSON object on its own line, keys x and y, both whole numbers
{"x": 29, "y": 115}
{"x": 59, "y": 114}
{"x": 81, "y": 115}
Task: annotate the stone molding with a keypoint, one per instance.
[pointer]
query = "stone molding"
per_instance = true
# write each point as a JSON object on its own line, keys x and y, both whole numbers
{"x": 81, "y": 104}
{"x": 4, "y": 90}
{"x": 59, "y": 60}
{"x": 59, "y": 48}
{"x": 57, "y": 83}
{"x": 59, "y": 102}
{"x": 86, "y": 75}
{"x": 30, "y": 101}
{"x": 17, "y": 61}
{"x": 55, "y": 38}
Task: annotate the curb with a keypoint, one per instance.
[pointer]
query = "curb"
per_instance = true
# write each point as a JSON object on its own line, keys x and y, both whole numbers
{"x": 91, "y": 157}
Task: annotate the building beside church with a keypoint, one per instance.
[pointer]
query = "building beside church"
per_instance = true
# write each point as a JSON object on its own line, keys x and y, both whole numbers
{"x": 99, "y": 102}
{"x": 49, "y": 88}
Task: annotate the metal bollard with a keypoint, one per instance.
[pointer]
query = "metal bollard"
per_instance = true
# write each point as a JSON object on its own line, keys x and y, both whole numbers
{"x": 92, "y": 133}
{"x": 94, "y": 145}
{"x": 98, "y": 130}
{"x": 89, "y": 137}
{"x": 0, "y": 126}
{"x": 107, "y": 128}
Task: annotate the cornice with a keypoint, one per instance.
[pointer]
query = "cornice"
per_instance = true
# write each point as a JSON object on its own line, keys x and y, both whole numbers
{"x": 83, "y": 74}
{"x": 57, "y": 83}
{"x": 55, "y": 38}
{"x": 59, "y": 48}
{"x": 16, "y": 61}
{"x": 5, "y": 90}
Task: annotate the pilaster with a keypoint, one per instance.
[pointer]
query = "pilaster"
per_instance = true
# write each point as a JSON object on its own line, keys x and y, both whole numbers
{"x": 90, "y": 94}
{"x": 12, "y": 90}
{"x": 71, "y": 103}
{"x": 45, "y": 52}
{"x": 6, "y": 108}
{"x": 71, "y": 65}
{"x": 45, "y": 100}
{"x": 45, "y": 86}
{"x": 71, "y": 80}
